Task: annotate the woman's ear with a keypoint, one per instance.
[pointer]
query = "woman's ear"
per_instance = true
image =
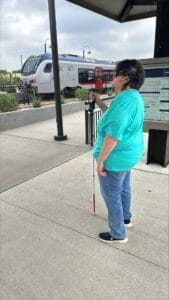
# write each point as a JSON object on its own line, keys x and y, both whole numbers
{"x": 125, "y": 80}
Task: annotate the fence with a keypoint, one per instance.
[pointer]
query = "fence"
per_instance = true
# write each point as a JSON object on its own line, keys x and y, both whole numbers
{"x": 92, "y": 115}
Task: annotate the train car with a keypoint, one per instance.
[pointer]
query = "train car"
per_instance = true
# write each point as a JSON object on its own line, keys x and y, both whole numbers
{"x": 75, "y": 71}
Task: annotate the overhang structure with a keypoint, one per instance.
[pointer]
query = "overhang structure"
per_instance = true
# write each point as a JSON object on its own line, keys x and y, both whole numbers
{"x": 130, "y": 10}
{"x": 121, "y": 10}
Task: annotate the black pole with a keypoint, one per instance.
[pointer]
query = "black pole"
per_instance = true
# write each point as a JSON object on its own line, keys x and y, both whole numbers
{"x": 53, "y": 34}
{"x": 86, "y": 122}
{"x": 160, "y": 137}
{"x": 162, "y": 29}
{"x": 21, "y": 60}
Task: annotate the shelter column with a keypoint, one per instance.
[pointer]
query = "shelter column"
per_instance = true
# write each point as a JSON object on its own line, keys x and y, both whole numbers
{"x": 162, "y": 29}
{"x": 158, "y": 144}
{"x": 55, "y": 59}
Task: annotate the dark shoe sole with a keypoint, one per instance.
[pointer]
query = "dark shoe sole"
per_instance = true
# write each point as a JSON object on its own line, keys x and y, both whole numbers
{"x": 114, "y": 241}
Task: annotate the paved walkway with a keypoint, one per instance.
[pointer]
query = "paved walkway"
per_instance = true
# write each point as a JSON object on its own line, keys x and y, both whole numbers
{"x": 49, "y": 245}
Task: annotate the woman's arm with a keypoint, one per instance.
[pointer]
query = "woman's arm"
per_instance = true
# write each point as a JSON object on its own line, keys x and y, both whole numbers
{"x": 108, "y": 145}
{"x": 100, "y": 103}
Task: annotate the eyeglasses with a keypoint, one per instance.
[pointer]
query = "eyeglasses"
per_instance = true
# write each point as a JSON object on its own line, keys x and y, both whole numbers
{"x": 121, "y": 73}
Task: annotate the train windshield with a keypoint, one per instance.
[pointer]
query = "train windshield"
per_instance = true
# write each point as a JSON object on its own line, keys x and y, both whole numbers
{"x": 31, "y": 64}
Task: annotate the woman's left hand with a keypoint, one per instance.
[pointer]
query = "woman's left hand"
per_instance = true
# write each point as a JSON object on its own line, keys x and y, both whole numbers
{"x": 100, "y": 169}
{"x": 108, "y": 146}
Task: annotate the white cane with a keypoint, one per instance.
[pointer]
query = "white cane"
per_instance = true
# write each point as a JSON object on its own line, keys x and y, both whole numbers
{"x": 92, "y": 107}
{"x": 94, "y": 197}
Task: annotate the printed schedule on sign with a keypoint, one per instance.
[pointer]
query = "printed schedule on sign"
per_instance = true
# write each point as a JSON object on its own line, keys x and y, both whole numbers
{"x": 155, "y": 91}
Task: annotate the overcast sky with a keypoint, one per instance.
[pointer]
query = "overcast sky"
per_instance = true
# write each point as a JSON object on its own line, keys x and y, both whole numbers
{"x": 25, "y": 27}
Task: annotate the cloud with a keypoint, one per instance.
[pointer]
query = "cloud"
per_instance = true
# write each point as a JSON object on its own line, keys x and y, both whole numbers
{"x": 25, "y": 27}
{"x": 23, "y": 31}
{"x": 24, "y": 7}
{"x": 111, "y": 40}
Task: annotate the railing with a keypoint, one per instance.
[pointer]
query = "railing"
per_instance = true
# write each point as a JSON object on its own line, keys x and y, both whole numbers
{"x": 92, "y": 116}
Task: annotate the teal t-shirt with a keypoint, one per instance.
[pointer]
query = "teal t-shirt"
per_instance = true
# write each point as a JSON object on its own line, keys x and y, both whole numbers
{"x": 123, "y": 121}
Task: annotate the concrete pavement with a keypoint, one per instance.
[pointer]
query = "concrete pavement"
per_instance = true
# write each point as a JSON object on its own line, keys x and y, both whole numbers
{"x": 30, "y": 150}
{"x": 49, "y": 245}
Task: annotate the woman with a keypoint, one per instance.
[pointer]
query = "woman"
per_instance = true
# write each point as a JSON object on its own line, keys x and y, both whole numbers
{"x": 119, "y": 146}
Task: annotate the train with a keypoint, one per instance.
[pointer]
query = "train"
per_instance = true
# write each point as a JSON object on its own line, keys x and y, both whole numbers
{"x": 74, "y": 72}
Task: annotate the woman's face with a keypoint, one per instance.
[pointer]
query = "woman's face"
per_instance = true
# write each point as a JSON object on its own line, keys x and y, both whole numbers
{"x": 119, "y": 81}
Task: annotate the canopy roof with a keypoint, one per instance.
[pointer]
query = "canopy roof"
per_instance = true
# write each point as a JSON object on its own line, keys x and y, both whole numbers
{"x": 121, "y": 10}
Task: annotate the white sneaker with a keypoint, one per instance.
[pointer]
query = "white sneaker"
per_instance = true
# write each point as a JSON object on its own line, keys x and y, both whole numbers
{"x": 128, "y": 224}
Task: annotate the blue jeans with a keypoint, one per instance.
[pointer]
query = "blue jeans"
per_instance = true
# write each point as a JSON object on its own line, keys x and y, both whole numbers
{"x": 116, "y": 192}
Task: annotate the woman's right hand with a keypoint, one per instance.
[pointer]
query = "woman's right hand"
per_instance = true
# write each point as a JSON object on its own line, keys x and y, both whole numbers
{"x": 94, "y": 96}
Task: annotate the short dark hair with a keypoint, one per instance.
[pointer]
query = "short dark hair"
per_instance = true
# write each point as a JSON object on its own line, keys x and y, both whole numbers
{"x": 133, "y": 69}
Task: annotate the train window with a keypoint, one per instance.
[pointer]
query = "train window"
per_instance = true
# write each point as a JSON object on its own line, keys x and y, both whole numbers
{"x": 90, "y": 75}
{"x": 86, "y": 75}
{"x": 107, "y": 75}
{"x": 83, "y": 75}
{"x": 48, "y": 68}
{"x": 31, "y": 65}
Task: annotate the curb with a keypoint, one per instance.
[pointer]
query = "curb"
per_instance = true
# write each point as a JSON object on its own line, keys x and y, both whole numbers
{"x": 14, "y": 119}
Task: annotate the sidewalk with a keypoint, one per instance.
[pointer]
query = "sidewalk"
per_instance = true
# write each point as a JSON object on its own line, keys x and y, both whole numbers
{"x": 49, "y": 245}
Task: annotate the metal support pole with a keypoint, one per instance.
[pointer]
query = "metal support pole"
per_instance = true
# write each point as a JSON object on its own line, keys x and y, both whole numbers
{"x": 92, "y": 133}
{"x": 89, "y": 122}
{"x": 160, "y": 137}
{"x": 21, "y": 60}
{"x": 86, "y": 122}
{"x": 53, "y": 34}
{"x": 162, "y": 26}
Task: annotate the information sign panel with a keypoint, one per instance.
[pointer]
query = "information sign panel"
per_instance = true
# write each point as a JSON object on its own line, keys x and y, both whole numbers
{"x": 155, "y": 90}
